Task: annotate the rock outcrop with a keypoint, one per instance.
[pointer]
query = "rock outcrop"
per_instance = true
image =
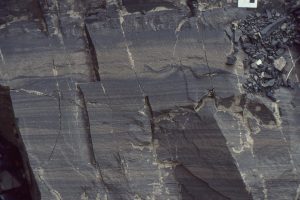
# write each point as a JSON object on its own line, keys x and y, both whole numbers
{"x": 121, "y": 100}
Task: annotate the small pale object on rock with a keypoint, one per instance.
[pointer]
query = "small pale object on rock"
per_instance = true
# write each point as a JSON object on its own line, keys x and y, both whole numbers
{"x": 280, "y": 63}
{"x": 258, "y": 62}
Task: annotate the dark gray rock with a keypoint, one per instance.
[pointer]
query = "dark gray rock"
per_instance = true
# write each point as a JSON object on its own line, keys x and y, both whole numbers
{"x": 134, "y": 101}
{"x": 270, "y": 28}
{"x": 16, "y": 178}
{"x": 231, "y": 59}
{"x": 269, "y": 83}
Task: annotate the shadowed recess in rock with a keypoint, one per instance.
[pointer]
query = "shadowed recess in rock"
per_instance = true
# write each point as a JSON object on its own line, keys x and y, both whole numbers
{"x": 194, "y": 140}
{"x": 16, "y": 178}
{"x": 193, "y": 187}
{"x": 261, "y": 111}
{"x": 146, "y": 5}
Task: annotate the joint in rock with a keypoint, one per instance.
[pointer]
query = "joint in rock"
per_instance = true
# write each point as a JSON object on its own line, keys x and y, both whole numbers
{"x": 211, "y": 93}
{"x": 193, "y": 6}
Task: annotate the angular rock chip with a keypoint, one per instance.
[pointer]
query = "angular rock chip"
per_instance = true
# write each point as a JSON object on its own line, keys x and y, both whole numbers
{"x": 269, "y": 83}
{"x": 280, "y": 63}
{"x": 231, "y": 59}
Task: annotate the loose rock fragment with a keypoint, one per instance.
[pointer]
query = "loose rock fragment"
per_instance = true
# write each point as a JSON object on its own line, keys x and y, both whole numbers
{"x": 231, "y": 59}
{"x": 269, "y": 83}
{"x": 258, "y": 62}
{"x": 280, "y": 52}
{"x": 270, "y": 28}
{"x": 271, "y": 96}
{"x": 269, "y": 15}
{"x": 280, "y": 63}
{"x": 266, "y": 75}
{"x": 254, "y": 66}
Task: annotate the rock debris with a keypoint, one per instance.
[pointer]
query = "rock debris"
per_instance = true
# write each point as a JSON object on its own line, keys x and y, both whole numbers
{"x": 265, "y": 37}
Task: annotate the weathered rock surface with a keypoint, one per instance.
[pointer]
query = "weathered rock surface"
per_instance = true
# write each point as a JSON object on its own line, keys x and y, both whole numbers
{"x": 116, "y": 100}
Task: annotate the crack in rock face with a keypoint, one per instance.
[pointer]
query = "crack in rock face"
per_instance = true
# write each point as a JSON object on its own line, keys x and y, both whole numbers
{"x": 144, "y": 6}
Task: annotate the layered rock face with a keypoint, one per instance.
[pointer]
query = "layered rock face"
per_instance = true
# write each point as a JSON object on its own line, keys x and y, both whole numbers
{"x": 133, "y": 100}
